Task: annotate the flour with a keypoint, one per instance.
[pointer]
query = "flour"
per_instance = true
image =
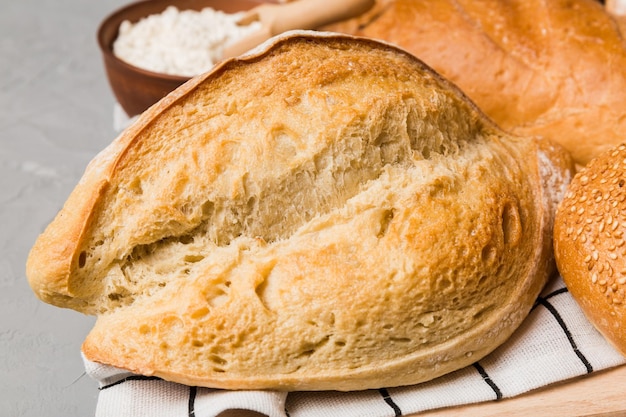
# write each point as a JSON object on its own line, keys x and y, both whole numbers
{"x": 184, "y": 43}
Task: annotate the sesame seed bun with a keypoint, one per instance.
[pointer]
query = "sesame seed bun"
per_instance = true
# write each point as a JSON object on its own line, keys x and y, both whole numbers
{"x": 590, "y": 245}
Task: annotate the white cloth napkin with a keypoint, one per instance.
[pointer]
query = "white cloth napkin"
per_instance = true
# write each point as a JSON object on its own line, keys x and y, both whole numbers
{"x": 555, "y": 343}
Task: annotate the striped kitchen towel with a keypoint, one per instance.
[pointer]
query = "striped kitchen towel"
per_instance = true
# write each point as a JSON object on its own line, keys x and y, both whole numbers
{"x": 555, "y": 343}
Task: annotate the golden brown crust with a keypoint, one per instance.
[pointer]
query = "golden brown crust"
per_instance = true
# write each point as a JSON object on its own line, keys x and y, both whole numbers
{"x": 326, "y": 213}
{"x": 589, "y": 243}
{"x": 540, "y": 68}
{"x": 55, "y": 255}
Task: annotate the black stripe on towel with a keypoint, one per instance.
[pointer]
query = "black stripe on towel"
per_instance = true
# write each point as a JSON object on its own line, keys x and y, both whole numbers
{"x": 390, "y": 402}
{"x": 555, "y": 292}
{"x": 550, "y": 295}
{"x": 488, "y": 380}
{"x": 571, "y": 340}
{"x": 131, "y": 378}
{"x": 191, "y": 405}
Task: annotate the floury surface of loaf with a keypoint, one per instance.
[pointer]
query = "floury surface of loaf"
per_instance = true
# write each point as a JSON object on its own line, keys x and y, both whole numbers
{"x": 549, "y": 68}
{"x": 325, "y": 213}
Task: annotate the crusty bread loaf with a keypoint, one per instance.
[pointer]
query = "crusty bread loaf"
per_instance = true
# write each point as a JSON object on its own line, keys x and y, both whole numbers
{"x": 589, "y": 243}
{"x": 326, "y": 213}
{"x": 553, "y": 68}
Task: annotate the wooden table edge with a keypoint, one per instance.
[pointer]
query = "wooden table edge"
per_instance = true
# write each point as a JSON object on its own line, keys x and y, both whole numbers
{"x": 600, "y": 394}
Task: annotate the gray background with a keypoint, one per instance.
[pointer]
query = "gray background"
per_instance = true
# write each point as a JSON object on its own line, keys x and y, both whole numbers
{"x": 56, "y": 113}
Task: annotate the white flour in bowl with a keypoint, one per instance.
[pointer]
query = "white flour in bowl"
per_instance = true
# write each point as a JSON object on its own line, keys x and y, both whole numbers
{"x": 175, "y": 42}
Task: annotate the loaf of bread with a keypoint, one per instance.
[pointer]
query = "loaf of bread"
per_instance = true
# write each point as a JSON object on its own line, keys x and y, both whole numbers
{"x": 553, "y": 68}
{"x": 324, "y": 213}
{"x": 590, "y": 244}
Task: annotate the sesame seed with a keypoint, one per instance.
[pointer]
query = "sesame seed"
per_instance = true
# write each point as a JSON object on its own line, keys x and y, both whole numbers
{"x": 594, "y": 278}
{"x": 613, "y": 256}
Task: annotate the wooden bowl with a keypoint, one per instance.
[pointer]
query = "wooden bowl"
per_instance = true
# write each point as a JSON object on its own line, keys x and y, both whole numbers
{"x": 135, "y": 88}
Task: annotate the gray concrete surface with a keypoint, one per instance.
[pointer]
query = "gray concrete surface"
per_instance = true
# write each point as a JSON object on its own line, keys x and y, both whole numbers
{"x": 56, "y": 113}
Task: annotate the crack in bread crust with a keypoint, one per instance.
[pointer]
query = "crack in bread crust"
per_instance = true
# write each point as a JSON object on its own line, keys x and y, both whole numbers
{"x": 240, "y": 192}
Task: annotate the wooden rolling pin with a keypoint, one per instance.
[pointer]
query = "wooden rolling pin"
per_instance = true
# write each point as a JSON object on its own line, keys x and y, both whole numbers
{"x": 300, "y": 14}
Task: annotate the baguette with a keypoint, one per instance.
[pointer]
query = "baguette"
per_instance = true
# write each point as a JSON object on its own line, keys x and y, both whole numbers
{"x": 324, "y": 213}
{"x": 550, "y": 68}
